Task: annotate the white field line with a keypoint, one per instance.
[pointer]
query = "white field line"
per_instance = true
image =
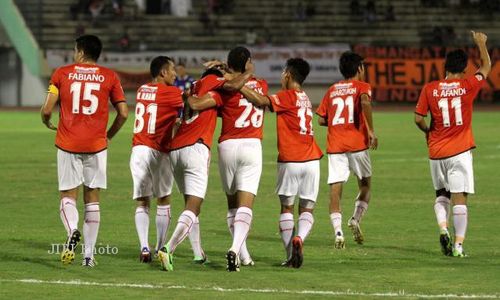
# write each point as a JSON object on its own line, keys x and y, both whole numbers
{"x": 399, "y": 294}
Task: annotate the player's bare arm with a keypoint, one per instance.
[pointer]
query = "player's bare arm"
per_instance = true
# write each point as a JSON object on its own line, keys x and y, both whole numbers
{"x": 237, "y": 82}
{"x": 322, "y": 121}
{"x": 121, "y": 117}
{"x": 366, "y": 106}
{"x": 47, "y": 108}
{"x": 480, "y": 40}
{"x": 254, "y": 97}
{"x": 421, "y": 124}
{"x": 201, "y": 103}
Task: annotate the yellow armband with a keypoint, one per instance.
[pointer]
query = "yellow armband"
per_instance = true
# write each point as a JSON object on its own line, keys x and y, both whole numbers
{"x": 53, "y": 90}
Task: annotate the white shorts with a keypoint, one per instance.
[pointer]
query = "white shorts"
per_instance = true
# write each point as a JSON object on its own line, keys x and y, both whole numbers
{"x": 240, "y": 165}
{"x": 190, "y": 166}
{"x": 340, "y": 165}
{"x": 75, "y": 169}
{"x": 299, "y": 179}
{"x": 151, "y": 172}
{"x": 455, "y": 174}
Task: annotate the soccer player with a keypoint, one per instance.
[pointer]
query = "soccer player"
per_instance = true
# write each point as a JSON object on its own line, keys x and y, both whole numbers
{"x": 449, "y": 138}
{"x": 346, "y": 110}
{"x": 190, "y": 159}
{"x": 82, "y": 91}
{"x": 299, "y": 155}
{"x": 240, "y": 155}
{"x": 158, "y": 105}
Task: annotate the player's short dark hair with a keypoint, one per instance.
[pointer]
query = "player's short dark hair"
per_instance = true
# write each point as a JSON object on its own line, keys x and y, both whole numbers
{"x": 298, "y": 68}
{"x": 456, "y": 61}
{"x": 237, "y": 58}
{"x": 157, "y": 65}
{"x": 212, "y": 71}
{"x": 90, "y": 45}
{"x": 350, "y": 63}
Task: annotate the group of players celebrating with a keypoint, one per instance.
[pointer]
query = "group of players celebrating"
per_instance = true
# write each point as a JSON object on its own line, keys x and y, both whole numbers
{"x": 173, "y": 132}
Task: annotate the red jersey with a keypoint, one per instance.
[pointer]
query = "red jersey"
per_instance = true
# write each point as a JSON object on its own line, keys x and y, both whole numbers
{"x": 341, "y": 107}
{"x": 84, "y": 91}
{"x": 199, "y": 126}
{"x": 450, "y": 103}
{"x": 240, "y": 118}
{"x": 157, "y": 107}
{"x": 294, "y": 126}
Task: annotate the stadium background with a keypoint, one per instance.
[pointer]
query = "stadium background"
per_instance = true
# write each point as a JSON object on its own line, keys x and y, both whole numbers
{"x": 404, "y": 42}
{"x": 404, "y": 47}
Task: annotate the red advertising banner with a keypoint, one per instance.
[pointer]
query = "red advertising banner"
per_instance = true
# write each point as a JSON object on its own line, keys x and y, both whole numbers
{"x": 397, "y": 74}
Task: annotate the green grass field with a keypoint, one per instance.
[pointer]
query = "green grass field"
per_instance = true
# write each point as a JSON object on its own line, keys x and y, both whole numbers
{"x": 400, "y": 258}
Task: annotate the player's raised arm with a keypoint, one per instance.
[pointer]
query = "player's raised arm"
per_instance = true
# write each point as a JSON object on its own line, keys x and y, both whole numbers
{"x": 366, "y": 106}
{"x": 47, "y": 108}
{"x": 239, "y": 81}
{"x": 121, "y": 117}
{"x": 201, "y": 103}
{"x": 480, "y": 40}
{"x": 254, "y": 97}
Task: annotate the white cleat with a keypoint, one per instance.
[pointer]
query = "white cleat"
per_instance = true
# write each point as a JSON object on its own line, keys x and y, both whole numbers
{"x": 248, "y": 262}
{"x": 357, "y": 234}
{"x": 339, "y": 241}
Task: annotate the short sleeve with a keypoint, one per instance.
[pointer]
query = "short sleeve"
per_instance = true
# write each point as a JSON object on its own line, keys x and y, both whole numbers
{"x": 216, "y": 96}
{"x": 474, "y": 82}
{"x": 213, "y": 82}
{"x": 365, "y": 89}
{"x": 55, "y": 82}
{"x": 322, "y": 110}
{"x": 117, "y": 94}
{"x": 422, "y": 107}
{"x": 277, "y": 103}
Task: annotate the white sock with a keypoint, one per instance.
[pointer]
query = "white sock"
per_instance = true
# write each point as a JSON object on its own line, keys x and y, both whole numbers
{"x": 69, "y": 214}
{"x": 142, "y": 225}
{"x": 242, "y": 222}
{"x": 305, "y": 223}
{"x": 336, "y": 219}
{"x": 442, "y": 210}
{"x": 162, "y": 223}
{"x": 287, "y": 231}
{"x": 195, "y": 238}
{"x": 460, "y": 222}
{"x": 360, "y": 208}
{"x": 186, "y": 220}
{"x": 91, "y": 227}
{"x": 244, "y": 254}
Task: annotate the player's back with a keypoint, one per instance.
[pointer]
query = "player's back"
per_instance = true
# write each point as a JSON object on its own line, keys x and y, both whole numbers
{"x": 199, "y": 125}
{"x": 157, "y": 108}
{"x": 294, "y": 127}
{"x": 84, "y": 91}
{"x": 450, "y": 103}
{"x": 341, "y": 107}
{"x": 240, "y": 118}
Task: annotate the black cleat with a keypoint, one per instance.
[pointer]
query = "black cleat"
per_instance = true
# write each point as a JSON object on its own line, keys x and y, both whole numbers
{"x": 445, "y": 241}
{"x": 232, "y": 262}
{"x": 68, "y": 254}
{"x": 297, "y": 256}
